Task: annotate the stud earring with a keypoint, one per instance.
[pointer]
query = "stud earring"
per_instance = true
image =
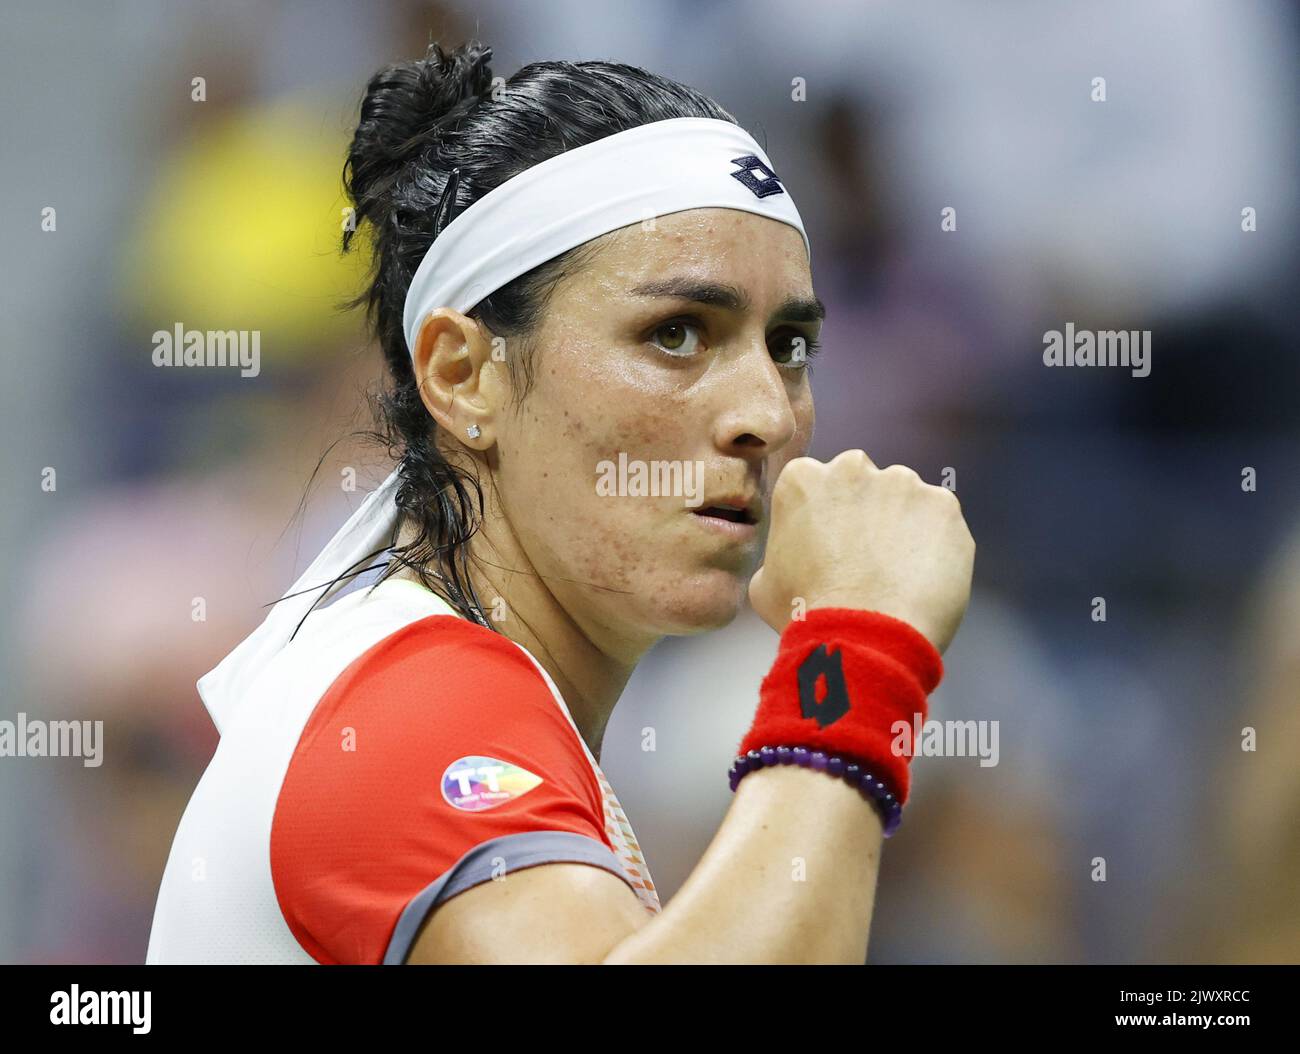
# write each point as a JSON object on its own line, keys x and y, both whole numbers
{"x": 473, "y": 431}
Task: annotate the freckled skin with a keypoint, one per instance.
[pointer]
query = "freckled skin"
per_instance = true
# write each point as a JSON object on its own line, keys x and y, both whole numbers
{"x": 606, "y": 390}
{"x": 617, "y": 573}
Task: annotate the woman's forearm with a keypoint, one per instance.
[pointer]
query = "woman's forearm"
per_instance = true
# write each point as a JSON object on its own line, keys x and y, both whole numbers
{"x": 790, "y": 877}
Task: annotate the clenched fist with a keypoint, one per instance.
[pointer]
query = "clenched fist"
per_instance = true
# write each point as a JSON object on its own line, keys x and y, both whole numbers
{"x": 848, "y": 534}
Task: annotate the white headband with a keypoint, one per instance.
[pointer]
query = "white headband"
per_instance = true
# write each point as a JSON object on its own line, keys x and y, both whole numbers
{"x": 573, "y": 197}
{"x": 626, "y": 178}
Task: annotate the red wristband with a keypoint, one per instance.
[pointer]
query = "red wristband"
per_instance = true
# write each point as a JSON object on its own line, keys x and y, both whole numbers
{"x": 841, "y": 678}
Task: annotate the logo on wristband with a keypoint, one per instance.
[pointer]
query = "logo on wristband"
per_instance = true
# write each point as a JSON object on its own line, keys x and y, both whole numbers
{"x": 822, "y": 666}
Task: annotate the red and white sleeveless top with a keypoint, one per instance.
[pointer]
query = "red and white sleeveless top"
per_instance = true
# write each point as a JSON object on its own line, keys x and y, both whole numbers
{"x": 391, "y": 756}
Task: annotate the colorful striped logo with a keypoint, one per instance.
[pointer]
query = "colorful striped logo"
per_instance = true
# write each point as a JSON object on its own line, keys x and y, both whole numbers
{"x": 477, "y": 782}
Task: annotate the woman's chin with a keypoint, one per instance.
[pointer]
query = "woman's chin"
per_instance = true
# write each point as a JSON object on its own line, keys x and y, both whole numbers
{"x": 707, "y": 602}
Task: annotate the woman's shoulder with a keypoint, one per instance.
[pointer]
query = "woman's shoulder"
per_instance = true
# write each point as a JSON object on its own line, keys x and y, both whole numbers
{"x": 397, "y": 643}
{"x": 416, "y": 657}
{"x": 367, "y": 625}
{"x": 438, "y": 739}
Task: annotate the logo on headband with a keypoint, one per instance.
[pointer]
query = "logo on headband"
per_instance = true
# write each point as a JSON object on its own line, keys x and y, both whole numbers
{"x": 768, "y": 184}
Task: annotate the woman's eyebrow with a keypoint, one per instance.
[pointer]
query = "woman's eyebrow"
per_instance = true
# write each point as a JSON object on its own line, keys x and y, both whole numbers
{"x": 715, "y": 294}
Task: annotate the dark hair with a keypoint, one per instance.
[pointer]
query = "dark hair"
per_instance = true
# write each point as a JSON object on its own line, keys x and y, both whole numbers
{"x": 432, "y": 139}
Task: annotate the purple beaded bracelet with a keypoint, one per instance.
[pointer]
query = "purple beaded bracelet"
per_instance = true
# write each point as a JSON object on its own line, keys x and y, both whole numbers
{"x": 874, "y": 790}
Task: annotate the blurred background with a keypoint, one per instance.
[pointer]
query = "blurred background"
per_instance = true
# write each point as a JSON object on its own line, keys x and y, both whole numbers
{"x": 1119, "y": 740}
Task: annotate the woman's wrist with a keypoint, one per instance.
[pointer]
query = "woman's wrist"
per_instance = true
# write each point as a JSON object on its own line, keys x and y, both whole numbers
{"x": 842, "y": 679}
{"x": 852, "y": 772}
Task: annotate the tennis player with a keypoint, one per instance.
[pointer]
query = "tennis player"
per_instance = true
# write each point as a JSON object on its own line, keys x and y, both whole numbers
{"x": 588, "y": 266}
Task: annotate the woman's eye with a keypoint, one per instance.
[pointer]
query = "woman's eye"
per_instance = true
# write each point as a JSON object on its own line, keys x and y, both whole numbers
{"x": 795, "y": 350}
{"x": 680, "y": 339}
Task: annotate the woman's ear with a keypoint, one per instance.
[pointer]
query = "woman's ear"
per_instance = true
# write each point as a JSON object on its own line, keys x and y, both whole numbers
{"x": 451, "y": 357}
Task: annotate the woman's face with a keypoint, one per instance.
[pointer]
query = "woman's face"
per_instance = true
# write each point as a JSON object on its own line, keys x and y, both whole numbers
{"x": 708, "y": 400}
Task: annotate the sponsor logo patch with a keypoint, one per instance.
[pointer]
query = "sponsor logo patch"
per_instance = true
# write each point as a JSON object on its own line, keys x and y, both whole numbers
{"x": 477, "y": 782}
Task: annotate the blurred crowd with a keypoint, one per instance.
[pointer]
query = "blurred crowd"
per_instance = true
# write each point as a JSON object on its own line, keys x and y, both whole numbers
{"x": 1121, "y": 740}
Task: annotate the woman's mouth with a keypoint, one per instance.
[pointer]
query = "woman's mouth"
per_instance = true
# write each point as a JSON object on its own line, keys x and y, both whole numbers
{"x": 739, "y": 524}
